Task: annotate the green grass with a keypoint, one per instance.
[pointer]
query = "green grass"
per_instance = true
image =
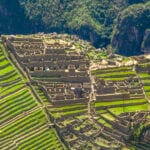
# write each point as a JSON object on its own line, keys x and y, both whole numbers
{"x": 7, "y": 69}
{"x": 148, "y": 94}
{"x": 58, "y": 112}
{"x": 42, "y": 95}
{"x": 104, "y": 123}
{"x": 67, "y": 108}
{"x": 4, "y": 62}
{"x": 21, "y": 100}
{"x": 23, "y": 126}
{"x": 118, "y": 102}
{"x": 48, "y": 79}
{"x": 119, "y": 110}
{"x": 14, "y": 109}
{"x": 120, "y": 74}
{"x": 12, "y": 106}
{"x": 114, "y": 74}
{"x": 144, "y": 75}
{"x": 41, "y": 142}
{"x": 11, "y": 88}
{"x": 18, "y": 100}
{"x": 66, "y": 113}
{"x": 146, "y": 81}
{"x": 119, "y": 69}
{"x": 147, "y": 88}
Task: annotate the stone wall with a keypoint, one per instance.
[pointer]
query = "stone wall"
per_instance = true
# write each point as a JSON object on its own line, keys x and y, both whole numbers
{"x": 46, "y": 60}
{"x": 69, "y": 102}
{"x": 112, "y": 97}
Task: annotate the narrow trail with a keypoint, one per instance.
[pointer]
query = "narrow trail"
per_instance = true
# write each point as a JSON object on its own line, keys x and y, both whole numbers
{"x": 92, "y": 96}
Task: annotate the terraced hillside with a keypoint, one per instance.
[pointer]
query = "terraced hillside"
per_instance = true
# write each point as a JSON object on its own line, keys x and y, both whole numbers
{"x": 96, "y": 109}
{"x": 121, "y": 95}
{"x": 122, "y": 91}
{"x": 23, "y": 122}
{"x": 143, "y": 69}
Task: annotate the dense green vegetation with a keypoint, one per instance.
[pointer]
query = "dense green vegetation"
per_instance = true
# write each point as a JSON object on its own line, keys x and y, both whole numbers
{"x": 130, "y": 29}
{"x": 29, "y": 120}
{"x": 92, "y": 20}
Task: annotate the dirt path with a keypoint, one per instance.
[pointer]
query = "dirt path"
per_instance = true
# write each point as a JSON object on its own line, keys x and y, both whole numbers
{"x": 92, "y": 95}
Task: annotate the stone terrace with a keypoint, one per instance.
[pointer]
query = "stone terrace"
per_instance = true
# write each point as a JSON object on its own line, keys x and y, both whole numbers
{"x": 60, "y": 73}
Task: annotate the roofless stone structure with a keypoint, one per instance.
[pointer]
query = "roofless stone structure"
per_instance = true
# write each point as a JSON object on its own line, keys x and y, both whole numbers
{"x": 108, "y": 103}
{"x": 55, "y": 64}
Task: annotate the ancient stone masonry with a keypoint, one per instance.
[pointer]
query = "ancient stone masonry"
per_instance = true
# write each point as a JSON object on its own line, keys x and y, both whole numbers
{"x": 107, "y": 100}
{"x": 117, "y": 90}
{"x": 57, "y": 61}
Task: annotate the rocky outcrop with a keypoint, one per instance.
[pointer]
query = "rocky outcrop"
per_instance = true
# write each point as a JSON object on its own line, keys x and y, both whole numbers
{"x": 146, "y": 42}
{"x": 130, "y": 29}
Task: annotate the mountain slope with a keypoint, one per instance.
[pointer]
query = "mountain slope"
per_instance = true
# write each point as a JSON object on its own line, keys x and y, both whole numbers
{"x": 91, "y": 20}
{"x": 130, "y": 29}
{"x": 23, "y": 122}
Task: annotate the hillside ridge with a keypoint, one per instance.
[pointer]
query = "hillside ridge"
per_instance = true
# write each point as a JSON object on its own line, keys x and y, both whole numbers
{"x": 86, "y": 98}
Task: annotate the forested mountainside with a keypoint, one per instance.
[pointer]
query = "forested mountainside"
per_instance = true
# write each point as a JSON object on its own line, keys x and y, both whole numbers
{"x": 55, "y": 95}
{"x": 93, "y": 20}
{"x": 130, "y": 28}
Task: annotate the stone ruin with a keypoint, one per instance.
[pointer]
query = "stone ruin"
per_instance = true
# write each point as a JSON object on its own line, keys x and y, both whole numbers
{"x": 66, "y": 71}
{"x": 47, "y": 57}
{"x": 117, "y": 90}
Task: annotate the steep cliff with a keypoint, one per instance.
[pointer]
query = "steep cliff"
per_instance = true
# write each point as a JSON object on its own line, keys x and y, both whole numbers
{"x": 146, "y": 42}
{"x": 91, "y": 20}
{"x": 130, "y": 28}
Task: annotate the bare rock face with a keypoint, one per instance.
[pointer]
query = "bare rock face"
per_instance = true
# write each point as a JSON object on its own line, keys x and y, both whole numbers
{"x": 128, "y": 40}
{"x": 131, "y": 30}
{"x": 146, "y": 42}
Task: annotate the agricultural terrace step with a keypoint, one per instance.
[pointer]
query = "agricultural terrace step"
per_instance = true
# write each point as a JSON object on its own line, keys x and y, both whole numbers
{"x": 11, "y": 82}
{"x": 26, "y": 136}
{"x": 120, "y": 105}
{"x": 18, "y": 117}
